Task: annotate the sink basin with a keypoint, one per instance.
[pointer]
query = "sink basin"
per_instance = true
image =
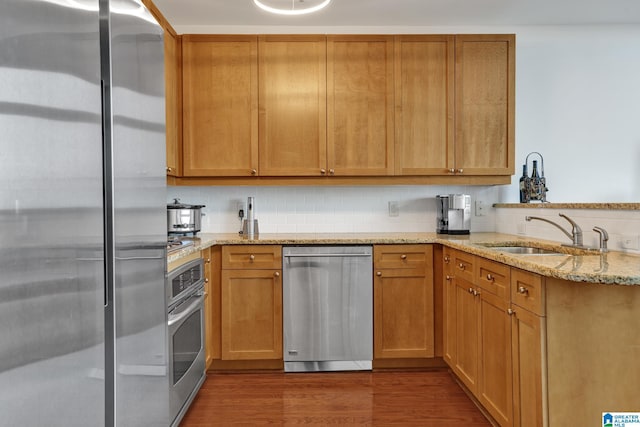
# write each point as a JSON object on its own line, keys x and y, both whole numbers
{"x": 525, "y": 250}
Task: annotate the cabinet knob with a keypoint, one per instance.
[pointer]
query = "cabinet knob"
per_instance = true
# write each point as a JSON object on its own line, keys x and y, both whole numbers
{"x": 461, "y": 266}
{"x": 476, "y": 293}
{"x": 323, "y": 171}
{"x": 208, "y": 261}
{"x": 470, "y": 290}
{"x": 460, "y": 170}
{"x": 379, "y": 273}
{"x": 447, "y": 259}
{"x": 254, "y": 172}
{"x": 277, "y": 274}
{"x": 331, "y": 172}
{"x": 252, "y": 257}
{"x": 523, "y": 290}
{"x": 452, "y": 171}
{"x": 403, "y": 256}
{"x": 206, "y": 280}
{"x": 491, "y": 278}
{"x": 448, "y": 277}
{"x": 169, "y": 169}
{"x": 511, "y": 312}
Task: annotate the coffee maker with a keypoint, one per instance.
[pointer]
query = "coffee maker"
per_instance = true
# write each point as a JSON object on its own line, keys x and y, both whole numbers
{"x": 453, "y": 213}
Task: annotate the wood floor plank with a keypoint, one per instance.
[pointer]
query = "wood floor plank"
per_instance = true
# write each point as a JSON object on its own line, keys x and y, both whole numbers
{"x": 430, "y": 398}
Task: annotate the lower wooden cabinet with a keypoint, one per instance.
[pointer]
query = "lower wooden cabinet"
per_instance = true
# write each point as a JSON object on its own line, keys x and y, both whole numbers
{"x": 208, "y": 308}
{"x": 403, "y": 302}
{"x": 251, "y": 298}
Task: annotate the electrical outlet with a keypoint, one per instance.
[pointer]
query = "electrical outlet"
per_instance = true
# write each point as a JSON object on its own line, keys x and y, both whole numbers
{"x": 629, "y": 242}
{"x": 481, "y": 208}
{"x": 394, "y": 210}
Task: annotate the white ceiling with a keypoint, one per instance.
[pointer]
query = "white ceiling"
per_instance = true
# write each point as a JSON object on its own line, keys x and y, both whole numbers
{"x": 409, "y": 13}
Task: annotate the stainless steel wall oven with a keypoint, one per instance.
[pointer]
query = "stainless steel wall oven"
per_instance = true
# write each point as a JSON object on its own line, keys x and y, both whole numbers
{"x": 185, "y": 296}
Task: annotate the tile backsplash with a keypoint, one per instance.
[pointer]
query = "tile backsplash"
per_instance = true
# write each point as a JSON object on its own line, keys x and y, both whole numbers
{"x": 332, "y": 209}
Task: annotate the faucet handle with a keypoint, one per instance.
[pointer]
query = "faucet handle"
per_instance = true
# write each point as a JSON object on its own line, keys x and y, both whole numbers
{"x": 576, "y": 230}
{"x": 604, "y": 238}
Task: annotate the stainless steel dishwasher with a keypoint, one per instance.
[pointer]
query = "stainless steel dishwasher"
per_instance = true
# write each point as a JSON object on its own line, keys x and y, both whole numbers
{"x": 327, "y": 308}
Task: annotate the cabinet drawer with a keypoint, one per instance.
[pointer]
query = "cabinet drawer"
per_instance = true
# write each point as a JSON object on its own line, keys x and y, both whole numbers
{"x": 462, "y": 265}
{"x": 527, "y": 291}
{"x": 493, "y": 277}
{"x": 406, "y": 257}
{"x": 252, "y": 257}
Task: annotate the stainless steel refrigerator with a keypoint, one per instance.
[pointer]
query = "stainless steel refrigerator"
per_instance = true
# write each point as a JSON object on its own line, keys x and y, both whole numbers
{"x": 83, "y": 337}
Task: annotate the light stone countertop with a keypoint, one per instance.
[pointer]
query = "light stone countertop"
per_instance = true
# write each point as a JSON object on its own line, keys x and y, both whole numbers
{"x": 575, "y": 265}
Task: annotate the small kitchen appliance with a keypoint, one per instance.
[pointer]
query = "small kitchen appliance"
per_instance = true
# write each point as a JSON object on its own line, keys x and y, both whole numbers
{"x": 250, "y": 225}
{"x": 183, "y": 218}
{"x": 453, "y": 213}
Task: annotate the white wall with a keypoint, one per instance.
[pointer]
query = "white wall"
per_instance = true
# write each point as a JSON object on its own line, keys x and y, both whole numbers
{"x": 577, "y": 103}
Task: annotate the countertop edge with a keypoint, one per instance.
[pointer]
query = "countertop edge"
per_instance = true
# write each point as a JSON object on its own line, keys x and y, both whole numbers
{"x": 603, "y": 206}
{"x": 463, "y": 243}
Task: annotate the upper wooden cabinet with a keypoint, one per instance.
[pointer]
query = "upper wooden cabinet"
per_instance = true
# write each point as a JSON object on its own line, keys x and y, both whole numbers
{"x": 360, "y": 105}
{"x": 424, "y": 95}
{"x": 173, "y": 95}
{"x": 485, "y": 104}
{"x": 220, "y": 105}
{"x": 293, "y": 105}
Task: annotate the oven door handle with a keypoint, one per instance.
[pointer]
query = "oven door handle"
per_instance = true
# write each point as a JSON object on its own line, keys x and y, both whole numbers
{"x": 173, "y": 319}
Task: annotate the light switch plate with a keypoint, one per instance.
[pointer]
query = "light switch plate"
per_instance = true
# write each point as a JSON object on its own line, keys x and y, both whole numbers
{"x": 629, "y": 242}
{"x": 394, "y": 210}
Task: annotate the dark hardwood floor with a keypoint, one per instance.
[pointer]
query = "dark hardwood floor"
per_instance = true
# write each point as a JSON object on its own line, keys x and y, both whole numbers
{"x": 430, "y": 398}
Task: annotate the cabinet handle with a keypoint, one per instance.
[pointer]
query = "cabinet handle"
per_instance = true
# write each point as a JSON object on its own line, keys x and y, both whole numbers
{"x": 277, "y": 274}
{"x": 491, "y": 278}
{"x": 461, "y": 266}
{"x": 254, "y": 172}
{"x": 323, "y": 171}
{"x": 379, "y": 273}
{"x": 169, "y": 169}
{"x": 447, "y": 259}
{"x": 252, "y": 257}
{"x": 470, "y": 290}
{"x": 206, "y": 280}
{"x": 208, "y": 261}
{"x": 511, "y": 312}
{"x": 449, "y": 277}
{"x": 476, "y": 293}
{"x": 403, "y": 256}
{"x": 452, "y": 171}
{"x": 331, "y": 172}
{"x": 460, "y": 171}
{"x": 523, "y": 290}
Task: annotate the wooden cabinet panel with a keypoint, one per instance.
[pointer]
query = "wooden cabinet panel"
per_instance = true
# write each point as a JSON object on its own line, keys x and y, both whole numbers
{"x": 173, "y": 101}
{"x": 360, "y": 120}
{"x": 449, "y": 323}
{"x": 494, "y": 277}
{"x": 220, "y": 102}
{"x": 292, "y": 105}
{"x": 424, "y": 97}
{"x": 405, "y": 257}
{"x": 403, "y": 306}
{"x": 495, "y": 374}
{"x": 209, "y": 332}
{"x": 463, "y": 266}
{"x": 527, "y": 332}
{"x": 527, "y": 291}
{"x": 467, "y": 334}
{"x": 251, "y": 314}
{"x": 252, "y": 257}
{"x": 485, "y": 104}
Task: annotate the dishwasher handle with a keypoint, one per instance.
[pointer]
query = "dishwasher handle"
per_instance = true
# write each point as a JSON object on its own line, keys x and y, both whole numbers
{"x": 326, "y": 255}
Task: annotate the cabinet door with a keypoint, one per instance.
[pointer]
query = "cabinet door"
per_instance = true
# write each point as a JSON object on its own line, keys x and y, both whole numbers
{"x": 251, "y": 314}
{"x": 528, "y": 395}
{"x": 485, "y": 104}
{"x": 360, "y": 105}
{"x": 208, "y": 308}
{"x": 495, "y": 375}
{"x": 424, "y": 96}
{"x": 220, "y": 102}
{"x": 467, "y": 333}
{"x": 403, "y": 312}
{"x": 173, "y": 95}
{"x": 293, "y": 105}
{"x": 449, "y": 308}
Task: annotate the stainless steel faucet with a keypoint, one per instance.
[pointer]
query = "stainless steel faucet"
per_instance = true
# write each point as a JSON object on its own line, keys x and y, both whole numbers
{"x": 604, "y": 238}
{"x": 576, "y": 231}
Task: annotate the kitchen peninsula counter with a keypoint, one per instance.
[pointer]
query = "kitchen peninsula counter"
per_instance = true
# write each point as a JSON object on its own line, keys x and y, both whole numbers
{"x": 586, "y": 266}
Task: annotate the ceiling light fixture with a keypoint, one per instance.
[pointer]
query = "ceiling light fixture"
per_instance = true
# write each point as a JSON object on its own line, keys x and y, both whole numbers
{"x": 291, "y": 7}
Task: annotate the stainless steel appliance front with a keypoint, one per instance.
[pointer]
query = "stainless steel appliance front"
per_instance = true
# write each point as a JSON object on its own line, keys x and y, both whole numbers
{"x": 327, "y": 308}
{"x": 185, "y": 293}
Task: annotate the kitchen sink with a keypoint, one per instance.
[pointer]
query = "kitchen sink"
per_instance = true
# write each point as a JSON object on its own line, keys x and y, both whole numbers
{"x": 525, "y": 250}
